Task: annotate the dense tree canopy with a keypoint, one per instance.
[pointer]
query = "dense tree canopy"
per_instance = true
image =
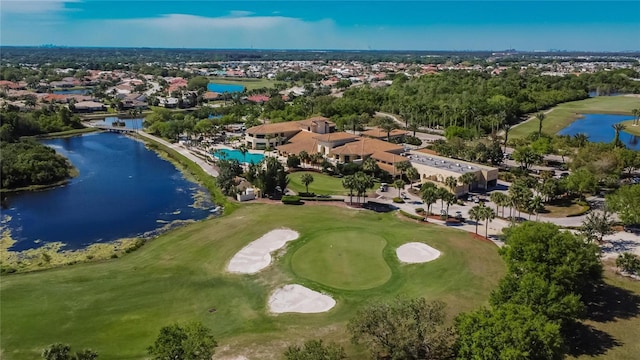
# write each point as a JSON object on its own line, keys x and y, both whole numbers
{"x": 404, "y": 329}
{"x": 27, "y": 162}
{"x": 626, "y": 202}
{"x": 192, "y": 341}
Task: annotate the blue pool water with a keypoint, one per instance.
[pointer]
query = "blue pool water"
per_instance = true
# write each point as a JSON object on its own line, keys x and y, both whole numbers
{"x": 237, "y": 155}
{"x": 598, "y": 128}
{"x": 225, "y": 88}
{"x": 72, "y": 92}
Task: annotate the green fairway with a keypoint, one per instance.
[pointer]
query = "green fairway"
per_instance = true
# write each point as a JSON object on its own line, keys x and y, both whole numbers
{"x": 343, "y": 259}
{"x": 633, "y": 130}
{"x": 322, "y": 184}
{"x": 250, "y": 84}
{"x": 564, "y": 114}
{"x": 117, "y": 306}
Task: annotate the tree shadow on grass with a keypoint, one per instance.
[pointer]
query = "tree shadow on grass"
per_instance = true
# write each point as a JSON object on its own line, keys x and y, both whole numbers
{"x": 610, "y": 303}
{"x": 607, "y": 303}
{"x": 584, "y": 339}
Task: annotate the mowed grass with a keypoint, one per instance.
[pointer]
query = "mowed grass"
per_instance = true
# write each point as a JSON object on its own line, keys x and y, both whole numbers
{"x": 564, "y": 114}
{"x": 342, "y": 259}
{"x": 322, "y": 184}
{"x": 633, "y": 130}
{"x": 616, "y": 328}
{"x": 250, "y": 84}
{"x": 117, "y": 306}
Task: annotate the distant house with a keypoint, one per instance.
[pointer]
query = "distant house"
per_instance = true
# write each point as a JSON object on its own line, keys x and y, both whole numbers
{"x": 210, "y": 96}
{"x": 169, "y": 102}
{"x": 378, "y": 133}
{"x": 89, "y": 106}
{"x": 258, "y": 99}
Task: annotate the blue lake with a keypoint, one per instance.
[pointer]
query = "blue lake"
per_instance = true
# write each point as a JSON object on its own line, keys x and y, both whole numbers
{"x": 123, "y": 190}
{"x": 225, "y": 88}
{"x": 598, "y": 128}
{"x": 237, "y": 155}
{"x": 72, "y": 92}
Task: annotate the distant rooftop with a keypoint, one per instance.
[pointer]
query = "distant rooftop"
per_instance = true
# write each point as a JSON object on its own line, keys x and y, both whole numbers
{"x": 453, "y": 165}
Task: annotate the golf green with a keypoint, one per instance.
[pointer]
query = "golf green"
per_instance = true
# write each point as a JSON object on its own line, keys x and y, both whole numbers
{"x": 347, "y": 260}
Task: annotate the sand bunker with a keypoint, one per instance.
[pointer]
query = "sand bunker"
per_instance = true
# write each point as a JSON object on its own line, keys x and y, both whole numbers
{"x": 257, "y": 255}
{"x": 416, "y": 252}
{"x": 299, "y": 299}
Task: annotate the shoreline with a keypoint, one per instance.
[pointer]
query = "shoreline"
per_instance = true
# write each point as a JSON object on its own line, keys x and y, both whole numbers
{"x": 630, "y": 129}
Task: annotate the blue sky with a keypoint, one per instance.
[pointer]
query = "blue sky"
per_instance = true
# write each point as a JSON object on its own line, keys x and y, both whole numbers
{"x": 390, "y": 25}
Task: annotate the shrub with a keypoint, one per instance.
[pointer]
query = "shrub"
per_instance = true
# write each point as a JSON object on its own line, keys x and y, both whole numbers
{"x": 410, "y": 216}
{"x": 628, "y": 263}
{"x": 291, "y": 200}
{"x": 304, "y": 194}
{"x": 398, "y": 200}
{"x": 419, "y": 211}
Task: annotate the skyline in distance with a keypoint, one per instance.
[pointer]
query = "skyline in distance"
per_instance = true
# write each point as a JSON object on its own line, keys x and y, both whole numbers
{"x": 336, "y": 25}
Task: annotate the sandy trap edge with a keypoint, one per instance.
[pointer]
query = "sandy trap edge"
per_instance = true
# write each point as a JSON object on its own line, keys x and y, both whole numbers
{"x": 296, "y": 298}
{"x": 415, "y": 252}
{"x": 257, "y": 255}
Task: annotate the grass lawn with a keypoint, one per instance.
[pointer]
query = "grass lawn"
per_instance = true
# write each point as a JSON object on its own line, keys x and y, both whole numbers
{"x": 563, "y": 208}
{"x": 322, "y": 184}
{"x": 250, "y": 84}
{"x": 613, "y": 327}
{"x": 564, "y": 114}
{"x": 117, "y": 306}
{"x": 343, "y": 259}
{"x": 633, "y": 130}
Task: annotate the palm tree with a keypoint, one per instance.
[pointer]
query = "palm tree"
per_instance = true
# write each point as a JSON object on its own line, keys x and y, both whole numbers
{"x": 540, "y": 116}
{"x": 363, "y": 182}
{"x": 487, "y": 215}
{"x": 316, "y": 158}
{"x": 349, "y": 183}
{"x": 467, "y": 179}
{"x": 535, "y": 205}
{"x": 581, "y": 139}
{"x": 370, "y": 165}
{"x": 429, "y": 195}
{"x": 616, "y": 139}
{"x": 475, "y": 214}
{"x": 497, "y": 198}
{"x": 243, "y": 150}
{"x": 506, "y": 128}
{"x": 451, "y": 183}
{"x": 450, "y": 199}
{"x": 402, "y": 167}
{"x": 306, "y": 179}
{"x": 636, "y": 116}
{"x": 442, "y": 195}
{"x": 399, "y": 184}
{"x": 304, "y": 156}
{"x": 412, "y": 174}
{"x": 387, "y": 124}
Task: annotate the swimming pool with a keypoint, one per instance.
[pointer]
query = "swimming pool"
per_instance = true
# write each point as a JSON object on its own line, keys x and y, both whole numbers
{"x": 237, "y": 155}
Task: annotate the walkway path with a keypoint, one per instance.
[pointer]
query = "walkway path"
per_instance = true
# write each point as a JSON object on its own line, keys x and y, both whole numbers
{"x": 208, "y": 168}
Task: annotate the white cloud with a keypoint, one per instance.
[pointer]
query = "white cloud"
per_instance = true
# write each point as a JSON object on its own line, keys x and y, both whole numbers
{"x": 240, "y": 13}
{"x": 33, "y": 6}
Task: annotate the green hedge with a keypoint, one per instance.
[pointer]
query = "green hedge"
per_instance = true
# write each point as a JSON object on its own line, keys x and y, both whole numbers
{"x": 398, "y": 200}
{"x": 291, "y": 200}
{"x": 315, "y": 198}
{"x": 411, "y": 216}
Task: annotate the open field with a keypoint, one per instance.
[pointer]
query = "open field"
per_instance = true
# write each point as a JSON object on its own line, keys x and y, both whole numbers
{"x": 117, "y": 306}
{"x": 564, "y": 114}
{"x": 613, "y": 326}
{"x": 322, "y": 184}
{"x": 633, "y": 130}
{"x": 250, "y": 84}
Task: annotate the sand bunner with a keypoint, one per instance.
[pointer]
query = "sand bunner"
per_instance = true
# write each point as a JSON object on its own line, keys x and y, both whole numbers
{"x": 415, "y": 252}
{"x": 257, "y": 255}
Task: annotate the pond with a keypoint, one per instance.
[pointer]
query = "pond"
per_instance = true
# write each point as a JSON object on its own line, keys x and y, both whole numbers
{"x": 135, "y": 124}
{"x": 123, "y": 190}
{"x": 598, "y": 128}
{"x": 225, "y": 88}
